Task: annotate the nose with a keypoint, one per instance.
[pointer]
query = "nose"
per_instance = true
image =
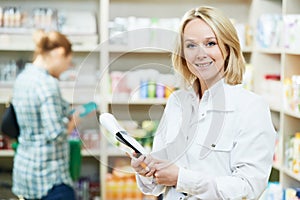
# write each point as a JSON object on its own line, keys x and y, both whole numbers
{"x": 201, "y": 52}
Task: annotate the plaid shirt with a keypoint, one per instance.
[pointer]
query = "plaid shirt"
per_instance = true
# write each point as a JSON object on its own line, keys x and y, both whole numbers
{"x": 42, "y": 157}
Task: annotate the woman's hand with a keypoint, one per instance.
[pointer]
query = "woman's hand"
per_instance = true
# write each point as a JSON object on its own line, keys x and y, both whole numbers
{"x": 166, "y": 173}
{"x": 143, "y": 165}
{"x": 163, "y": 171}
{"x": 73, "y": 122}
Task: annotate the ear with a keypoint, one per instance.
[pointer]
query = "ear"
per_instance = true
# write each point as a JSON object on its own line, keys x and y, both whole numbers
{"x": 58, "y": 51}
{"x": 61, "y": 50}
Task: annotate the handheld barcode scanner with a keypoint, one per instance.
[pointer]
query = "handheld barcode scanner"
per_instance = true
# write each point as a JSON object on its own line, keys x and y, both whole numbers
{"x": 110, "y": 123}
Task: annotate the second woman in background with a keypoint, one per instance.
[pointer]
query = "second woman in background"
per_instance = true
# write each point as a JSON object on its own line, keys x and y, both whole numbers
{"x": 41, "y": 163}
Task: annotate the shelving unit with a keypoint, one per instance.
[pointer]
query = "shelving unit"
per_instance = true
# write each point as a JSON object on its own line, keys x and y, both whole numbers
{"x": 99, "y": 60}
{"x": 285, "y": 63}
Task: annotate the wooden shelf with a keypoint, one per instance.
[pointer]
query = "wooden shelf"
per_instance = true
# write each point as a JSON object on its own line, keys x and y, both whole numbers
{"x": 292, "y": 114}
{"x": 90, "y": 153}
{"x": 291, "y": 174}
{"x": 268, "y": 51}
{"x": 277, "y": 166}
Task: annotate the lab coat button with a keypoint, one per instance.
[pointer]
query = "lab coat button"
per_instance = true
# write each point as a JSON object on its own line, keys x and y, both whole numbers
{"x": 213, "y": 145}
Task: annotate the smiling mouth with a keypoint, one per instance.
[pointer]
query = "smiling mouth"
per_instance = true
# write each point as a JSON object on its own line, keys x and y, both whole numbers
{"x": 202, "y": 65}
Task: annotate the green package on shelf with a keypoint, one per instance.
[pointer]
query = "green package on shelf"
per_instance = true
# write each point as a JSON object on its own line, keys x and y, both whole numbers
{"x": 75, "y": 159}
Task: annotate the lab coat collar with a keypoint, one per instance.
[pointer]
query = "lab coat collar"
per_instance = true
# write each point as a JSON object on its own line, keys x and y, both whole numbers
{"x": 218, "y": 97}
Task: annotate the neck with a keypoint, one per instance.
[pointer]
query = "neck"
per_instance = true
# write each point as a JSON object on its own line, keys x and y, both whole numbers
{"x": 200, "y": 86}
{"x": 41, "y": 63}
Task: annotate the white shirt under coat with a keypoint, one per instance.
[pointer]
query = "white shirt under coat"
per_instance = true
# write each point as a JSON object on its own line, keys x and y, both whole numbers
{"x": 222, "y": 144}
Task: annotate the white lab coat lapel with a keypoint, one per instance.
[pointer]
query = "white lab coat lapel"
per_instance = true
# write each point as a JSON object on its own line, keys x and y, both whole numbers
{"x": 176, "y": 149}
{"x": 219, "y": 105}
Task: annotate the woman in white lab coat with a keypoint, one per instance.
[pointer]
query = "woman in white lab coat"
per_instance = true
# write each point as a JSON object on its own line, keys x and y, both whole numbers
{"x": 216, "y": 139}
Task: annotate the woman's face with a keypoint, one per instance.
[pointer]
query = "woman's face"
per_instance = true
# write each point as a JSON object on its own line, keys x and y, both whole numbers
{"x": 201, "y": 51}
{"x": 61, "y": 63}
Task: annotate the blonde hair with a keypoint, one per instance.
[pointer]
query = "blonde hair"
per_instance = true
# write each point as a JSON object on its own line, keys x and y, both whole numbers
{"x": 227, "y": 39}
{"x": 45, "y": 42}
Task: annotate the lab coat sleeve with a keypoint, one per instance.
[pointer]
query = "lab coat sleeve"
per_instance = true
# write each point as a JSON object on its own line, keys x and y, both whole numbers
{"x": 251, "y": 160}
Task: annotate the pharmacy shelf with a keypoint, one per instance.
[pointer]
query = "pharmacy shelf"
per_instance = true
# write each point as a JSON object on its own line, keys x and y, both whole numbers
{"x": 90, "y": 153}
{"x": 125, "y": 49}
{"x": 284, "y": 62}
{"x": 75, "y": 48}
{"x": 292, "y": 114}
{"x": 7, "y": 153}
{"x": 268, "y": 51}
{"x": 84, "y": 153}
{"x": 148, "y": 101}
{"x": 277, "y": 166}
{"x": 290, "y": 173}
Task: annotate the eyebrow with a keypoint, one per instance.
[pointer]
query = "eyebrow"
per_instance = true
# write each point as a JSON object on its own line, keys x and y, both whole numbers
{"x": 191, "y": 40}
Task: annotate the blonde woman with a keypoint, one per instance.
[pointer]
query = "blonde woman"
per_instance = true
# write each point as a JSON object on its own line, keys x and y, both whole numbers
{"x": 216, "y": 139}
{"x": 41, "y": 163}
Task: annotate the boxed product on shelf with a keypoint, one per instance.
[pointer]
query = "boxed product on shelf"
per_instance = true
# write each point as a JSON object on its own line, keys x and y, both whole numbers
{"x": 272, "y": 89}
{"x": 288, "y": 93}
{"x": 269, "y": 31}
{"x": 274, "y": 191}
{"x": 121, "y": 29}
{"x": 292, "y": 93}
{"x": 87, "y": 189}
{"x": 141, "y": 84}
{"x": 77, "y": 23}
{"x": 292, "y": 153}
{"x": 296, "y": 153}
{"x": 10, "y": 16}
{"x": 291, "y": 194}
{"x": 248, "y": 77}
{"x": 296, "y": 93}
{"x": 19, "y": 20}
{"x": 19, "y": 24}
{"x": 291, "y": 39}
{"x": 121, "y": 184}
{"x": 91, "y": 139}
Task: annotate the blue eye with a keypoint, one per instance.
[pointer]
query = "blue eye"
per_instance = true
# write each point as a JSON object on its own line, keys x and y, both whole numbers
{"x": 191, "y": 46}
{"x": 210, "y": 44}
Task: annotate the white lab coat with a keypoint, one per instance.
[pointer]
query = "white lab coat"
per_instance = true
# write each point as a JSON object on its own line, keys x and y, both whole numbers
{"x": 223, "y": 145}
